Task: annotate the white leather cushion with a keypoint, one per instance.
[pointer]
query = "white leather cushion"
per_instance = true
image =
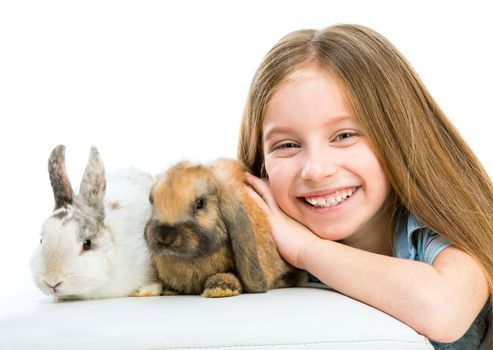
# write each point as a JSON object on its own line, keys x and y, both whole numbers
{"x": 293, "y": 318}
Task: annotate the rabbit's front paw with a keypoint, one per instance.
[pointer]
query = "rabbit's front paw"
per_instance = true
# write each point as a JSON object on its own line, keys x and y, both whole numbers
{"x": 222, "y": 285}
{"x": 151, "y": 290}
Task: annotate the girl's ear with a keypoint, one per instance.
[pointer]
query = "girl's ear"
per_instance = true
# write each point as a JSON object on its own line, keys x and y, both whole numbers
{"x": 243, "y": 244}
{"x": 93, "y": 184}
{"x": 62, "y": 189}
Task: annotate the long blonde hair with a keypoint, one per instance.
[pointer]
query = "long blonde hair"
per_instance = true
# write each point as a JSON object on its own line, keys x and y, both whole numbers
{"x": 432, "y": 171}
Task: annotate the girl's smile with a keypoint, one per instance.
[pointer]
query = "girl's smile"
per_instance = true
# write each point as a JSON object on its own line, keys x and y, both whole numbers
{"x": 322, "y": 170}
{"x": 331, "y": 199}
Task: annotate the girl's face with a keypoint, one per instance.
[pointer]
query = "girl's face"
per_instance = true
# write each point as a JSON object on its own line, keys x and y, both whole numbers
{"x": 322, "y": 170}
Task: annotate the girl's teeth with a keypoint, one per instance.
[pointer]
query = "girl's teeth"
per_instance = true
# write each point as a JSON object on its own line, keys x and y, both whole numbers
{"x": 331, "y": 201}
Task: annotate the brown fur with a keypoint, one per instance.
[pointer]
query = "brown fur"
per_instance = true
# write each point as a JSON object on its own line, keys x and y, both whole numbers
{"x": 238, "y": 254}
{"x": 222, "y": 285}
{"x": 188, "y": 277}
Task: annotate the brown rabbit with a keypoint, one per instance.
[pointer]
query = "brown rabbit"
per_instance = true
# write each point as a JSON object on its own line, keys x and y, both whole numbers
{"x": 207, "y": 235}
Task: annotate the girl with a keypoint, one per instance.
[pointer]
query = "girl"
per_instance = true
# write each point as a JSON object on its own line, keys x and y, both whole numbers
{"x": 368, "y": 186}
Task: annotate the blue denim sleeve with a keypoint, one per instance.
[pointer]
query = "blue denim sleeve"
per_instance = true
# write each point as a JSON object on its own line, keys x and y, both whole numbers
{"x": 429, "y": 244}
{"x": 414, "y": 241}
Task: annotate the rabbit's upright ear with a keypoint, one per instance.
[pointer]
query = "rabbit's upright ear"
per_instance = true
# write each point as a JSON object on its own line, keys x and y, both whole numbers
{"x": 62, "y": 189}
{"x": 93, "y": 184}
{"x": 243, "y": 244}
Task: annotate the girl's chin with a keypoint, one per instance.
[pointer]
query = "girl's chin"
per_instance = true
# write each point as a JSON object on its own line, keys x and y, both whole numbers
{"x": 332, "y": 229}
{"x": 331, "y": 233}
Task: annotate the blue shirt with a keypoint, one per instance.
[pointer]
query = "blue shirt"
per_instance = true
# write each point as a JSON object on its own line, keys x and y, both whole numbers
{"x": 413, "y": 241}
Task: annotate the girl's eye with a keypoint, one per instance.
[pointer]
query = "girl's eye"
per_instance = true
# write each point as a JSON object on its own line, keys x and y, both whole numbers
{"x": 286, "y": 145}
{"x": 344, "y": 136}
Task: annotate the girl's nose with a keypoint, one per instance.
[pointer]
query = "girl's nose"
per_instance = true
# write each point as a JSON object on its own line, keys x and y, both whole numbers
{"x": 317, "y": 167}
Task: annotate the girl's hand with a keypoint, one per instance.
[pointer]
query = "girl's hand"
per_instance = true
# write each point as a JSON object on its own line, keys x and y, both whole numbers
{"x": 291, "y": 237}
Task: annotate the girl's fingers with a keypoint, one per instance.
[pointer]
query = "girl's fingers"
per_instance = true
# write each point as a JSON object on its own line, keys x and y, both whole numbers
{"x": 262, "y": 188}
{"x": 256, "y": 197}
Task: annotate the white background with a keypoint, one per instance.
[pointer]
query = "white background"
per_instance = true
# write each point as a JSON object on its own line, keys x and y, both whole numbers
{"x": 153, "y": 82}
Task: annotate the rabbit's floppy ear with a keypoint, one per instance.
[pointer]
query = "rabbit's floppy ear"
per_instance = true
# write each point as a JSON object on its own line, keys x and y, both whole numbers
{"x": 93, "y": 184}
{"x": 62, "y": 189}
{"x": 243, "y": 243}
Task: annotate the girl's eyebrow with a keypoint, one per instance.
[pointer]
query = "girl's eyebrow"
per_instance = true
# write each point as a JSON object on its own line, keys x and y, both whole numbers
{"x": 284, "y": 129}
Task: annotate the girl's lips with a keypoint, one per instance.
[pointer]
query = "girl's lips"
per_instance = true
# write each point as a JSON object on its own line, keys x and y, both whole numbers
{"x": 329, "y": 193}
{"x": 326, "y": 192}
{"x": 328, "y": 199}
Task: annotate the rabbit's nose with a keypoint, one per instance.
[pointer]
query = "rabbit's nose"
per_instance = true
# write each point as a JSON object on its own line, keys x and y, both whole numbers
{"x": 53, "y": 283}
{"x": 166, "y": 234}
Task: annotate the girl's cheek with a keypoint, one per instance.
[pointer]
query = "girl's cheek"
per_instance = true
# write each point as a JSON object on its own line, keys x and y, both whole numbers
{"x": 270, "y": 168}
{"x": 279, "y": 180}
{"x": 275, "y": 166}
{"x": 277, "y": 175}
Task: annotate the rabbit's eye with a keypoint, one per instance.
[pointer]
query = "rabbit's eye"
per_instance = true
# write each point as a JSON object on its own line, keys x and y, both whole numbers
{"x": 200, "y": 204}
{"x": 151, "y": 198}
{"x": 86, "y": 245}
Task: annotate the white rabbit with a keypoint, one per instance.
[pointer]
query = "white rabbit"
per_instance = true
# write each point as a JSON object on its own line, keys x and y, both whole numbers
{"x": 93, "y": 246}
